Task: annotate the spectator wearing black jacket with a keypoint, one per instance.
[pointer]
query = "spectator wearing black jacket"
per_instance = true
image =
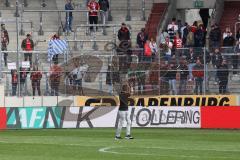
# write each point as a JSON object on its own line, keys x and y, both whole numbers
{"x": 216, "y": 61}
{"x": 228, "y": 42}
{"x": 142, "y": 37}
{"x": 124, "y": 33}
{"x": 199, "y": 37}
{"x": 222, "y": 73}
{"x": 183, "y": 77}
{"x": 204, "y": 14}
{"x": 191, "y": 58}
{"x": 23, "y": 76}
{"x": 236, "y": 57}
{"x": 171, "y": 76}
{"x": 104, "y": 7}
{"x": 215, "y": 36}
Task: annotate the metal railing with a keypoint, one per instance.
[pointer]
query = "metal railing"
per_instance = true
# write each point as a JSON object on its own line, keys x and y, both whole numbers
{"x": 145, "y": 77}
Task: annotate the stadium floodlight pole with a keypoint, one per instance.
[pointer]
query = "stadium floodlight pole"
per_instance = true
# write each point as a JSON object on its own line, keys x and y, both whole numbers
{"x": 7, "y": 4}
{"x": 21, "y": 30}
{"x": 128, "y": 17}
{"x": 16, "y": 14}
{"x": 109, "y": 12}
{"x": 143, "y": 10}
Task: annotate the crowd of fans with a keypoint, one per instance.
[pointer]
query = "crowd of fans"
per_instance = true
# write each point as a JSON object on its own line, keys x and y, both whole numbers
{"x": 180, "y": 52}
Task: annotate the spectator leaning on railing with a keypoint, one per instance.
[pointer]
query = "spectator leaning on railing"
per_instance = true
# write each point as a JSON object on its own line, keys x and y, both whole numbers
{"x": 183, "y": 76}
{"x": 36, "y": 77}
{"x": 222, "y": 73}
{"x": 55, "y": 76}
{"x": 14, "y": 81}
{"x": 198, "y": 73}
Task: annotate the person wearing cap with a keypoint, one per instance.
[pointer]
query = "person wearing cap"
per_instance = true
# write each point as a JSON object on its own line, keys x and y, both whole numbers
{"x": 5, "y": 42}
{"x": 28, "y": 45}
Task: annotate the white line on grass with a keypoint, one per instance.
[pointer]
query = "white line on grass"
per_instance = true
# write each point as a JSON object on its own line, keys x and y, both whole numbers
{"x": 108, "y": 150}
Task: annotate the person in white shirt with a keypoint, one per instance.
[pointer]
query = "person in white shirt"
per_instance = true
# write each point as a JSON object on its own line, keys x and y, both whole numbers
{"x": 78, "y": 75}
{"x": 154, "y": 48}
{"x": 173, "y": 25}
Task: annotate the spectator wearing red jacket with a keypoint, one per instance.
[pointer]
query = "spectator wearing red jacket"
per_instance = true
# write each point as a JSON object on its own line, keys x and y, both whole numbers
{"x": 198, "y": 73}
{"x": 147, "y": 51}
{"x": 93, "y": 8}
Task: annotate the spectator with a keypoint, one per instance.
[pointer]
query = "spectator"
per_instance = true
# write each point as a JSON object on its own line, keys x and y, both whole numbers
{"x": 23, "y": 76}
{"x": 173, "y": 25}
{"x": 28, "y": 45}
{"x": 132, "y": 76}
{"x": 226, "y": 32}
{"x": 55, "y": 57}
{"x": 141, "y": 77}
{"x": 191, "y": 58}
{"x": 198, "y": 73}
{"x": 55, "y": 76}
{"x": 93, "y": 8}
{"x": 178, "y": 46}
{"x": 104, "y": 7}
{"x": 179, "y": 24}
{"x": 222, "y": 73}
{"x": 167, "y": 49}
{"x": 69, "y": 15}
{"x": 162, "y": 38}
{"x": 238, "y": 35}
{"x": 171, "y": 34}
{"x": 183, "y": 77}
{"x": 199, "y": 37}
{"x": 123, "y": 33}
{"x": 36, "y": 77}
{"x": 190, "y": 39}
{"x": 216, "y": 61}
{"x": 5, "y": 42}
{"x": 78, "y": 76}
{"x": 147, "y": 52}
{"x": 215, "y": 36}
{"x": 194, "y": 27}
{"x": 171, "y": 76}
{"x": 228, "y": 42}
{"x": 14, "y": 81}
{"x": 184, "y": 33}
{"x": 154, "y": 48}
{"x": 204, "y": 14}
{"x": 142, "y": 37}
{"x": 235, "y": 58}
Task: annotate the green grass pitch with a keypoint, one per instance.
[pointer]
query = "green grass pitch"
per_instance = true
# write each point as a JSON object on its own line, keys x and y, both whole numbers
{"x": 99, "y": 144}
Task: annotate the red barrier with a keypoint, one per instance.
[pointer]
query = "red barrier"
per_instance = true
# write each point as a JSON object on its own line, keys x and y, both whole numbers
{"x": 3, "y": 118}
{"x": 220, "y": 117}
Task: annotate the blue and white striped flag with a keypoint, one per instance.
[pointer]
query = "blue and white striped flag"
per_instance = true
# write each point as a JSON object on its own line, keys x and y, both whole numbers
{"x": 56, "y": 46}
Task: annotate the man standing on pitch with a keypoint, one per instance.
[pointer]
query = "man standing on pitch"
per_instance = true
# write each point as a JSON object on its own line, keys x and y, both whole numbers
{"x": 123, "y": 113}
